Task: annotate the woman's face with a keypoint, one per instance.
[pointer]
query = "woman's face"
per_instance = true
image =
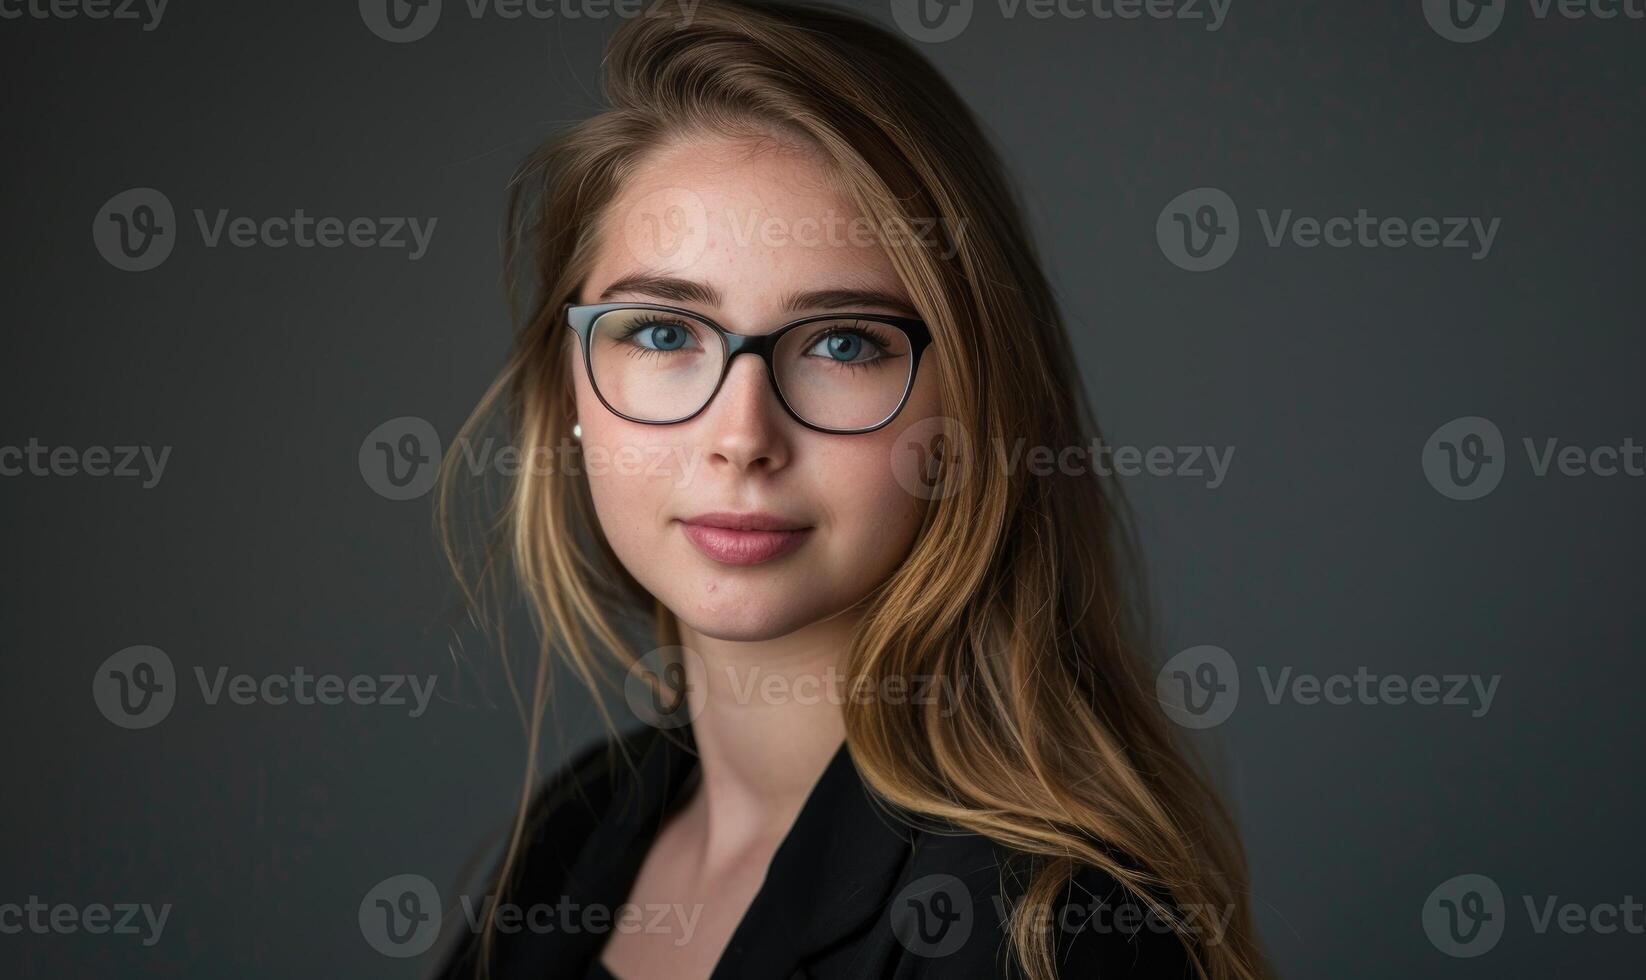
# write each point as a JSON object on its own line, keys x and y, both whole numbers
{"x": 739, "y": 232}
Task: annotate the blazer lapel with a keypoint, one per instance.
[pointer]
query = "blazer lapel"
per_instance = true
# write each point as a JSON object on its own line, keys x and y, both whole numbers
{"x": 831, "y": 876}
{"x": 600, "y": 876}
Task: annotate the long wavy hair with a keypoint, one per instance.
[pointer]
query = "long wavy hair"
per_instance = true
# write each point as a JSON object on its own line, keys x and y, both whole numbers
{"x": 1021, "y": 591}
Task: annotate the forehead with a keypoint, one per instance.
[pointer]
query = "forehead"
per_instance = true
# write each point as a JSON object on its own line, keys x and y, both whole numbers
{"x": 756, "y": 221}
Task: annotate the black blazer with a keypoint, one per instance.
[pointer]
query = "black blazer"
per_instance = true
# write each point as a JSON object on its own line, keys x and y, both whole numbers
{"x": 852, "y": 893}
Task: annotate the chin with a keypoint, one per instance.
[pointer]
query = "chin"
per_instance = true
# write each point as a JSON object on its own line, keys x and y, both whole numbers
{"x": 733, "y": 632}
{"x": 742, "y": 614}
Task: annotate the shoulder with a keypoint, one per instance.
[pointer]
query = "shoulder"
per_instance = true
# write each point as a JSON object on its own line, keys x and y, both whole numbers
{"x": 1096, "y": 926}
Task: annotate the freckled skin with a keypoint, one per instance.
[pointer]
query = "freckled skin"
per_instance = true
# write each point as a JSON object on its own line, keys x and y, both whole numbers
{"x": 747, "y": 452}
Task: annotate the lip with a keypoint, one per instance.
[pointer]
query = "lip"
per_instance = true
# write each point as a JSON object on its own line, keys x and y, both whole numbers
{"x": 744, "y": 539}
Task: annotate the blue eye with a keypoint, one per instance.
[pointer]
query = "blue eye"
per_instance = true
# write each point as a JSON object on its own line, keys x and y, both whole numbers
{"x": 658, "y": 336}
{"x": 846, "y": 348}
{"x": 663, "y": 336}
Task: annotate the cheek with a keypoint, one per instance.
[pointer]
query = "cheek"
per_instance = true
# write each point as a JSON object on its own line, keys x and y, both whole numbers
{"x": 869, "y": 484}
{"x": 630, "y": 469}
{"x": 873, "y": 516}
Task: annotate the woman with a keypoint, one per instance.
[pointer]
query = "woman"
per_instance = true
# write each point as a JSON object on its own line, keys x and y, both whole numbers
{"x": 914, "y": 735}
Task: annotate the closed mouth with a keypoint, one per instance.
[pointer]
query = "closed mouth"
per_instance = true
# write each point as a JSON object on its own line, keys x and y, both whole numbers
{"x": 744, "y": 539}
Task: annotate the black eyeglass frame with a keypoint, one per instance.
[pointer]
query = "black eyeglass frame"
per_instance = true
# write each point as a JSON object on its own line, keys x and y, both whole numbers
{"x": 581, "y": 319}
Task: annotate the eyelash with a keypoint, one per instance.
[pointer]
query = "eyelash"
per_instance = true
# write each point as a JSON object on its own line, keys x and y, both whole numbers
{"x": 880, "y": 341}
{"x": 871, "y": 336}
{"x": 638, "y": 350}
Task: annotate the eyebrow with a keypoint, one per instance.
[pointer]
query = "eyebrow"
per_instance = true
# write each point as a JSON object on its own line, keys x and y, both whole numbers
{"x": 679, "y": 290}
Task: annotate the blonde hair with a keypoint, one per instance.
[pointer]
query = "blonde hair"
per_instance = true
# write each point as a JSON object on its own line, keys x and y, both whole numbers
{"x": 1012, "y": 594}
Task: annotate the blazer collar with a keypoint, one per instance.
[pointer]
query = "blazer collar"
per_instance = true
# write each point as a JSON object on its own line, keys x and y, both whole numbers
{"x": 829, "y": 878}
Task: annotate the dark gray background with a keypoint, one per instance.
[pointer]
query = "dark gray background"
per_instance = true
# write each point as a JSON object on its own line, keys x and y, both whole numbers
{"x": 263, "y": 547}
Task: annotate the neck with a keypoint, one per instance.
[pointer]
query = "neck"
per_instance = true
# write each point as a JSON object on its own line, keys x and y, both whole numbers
{"x": 767, "y": 720}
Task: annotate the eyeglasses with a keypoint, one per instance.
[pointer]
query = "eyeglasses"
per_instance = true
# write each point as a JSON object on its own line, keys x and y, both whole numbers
{"x": 837, "y": 372}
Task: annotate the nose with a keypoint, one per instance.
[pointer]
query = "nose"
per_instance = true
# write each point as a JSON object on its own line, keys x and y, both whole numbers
{"x": 746, "y": 425}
